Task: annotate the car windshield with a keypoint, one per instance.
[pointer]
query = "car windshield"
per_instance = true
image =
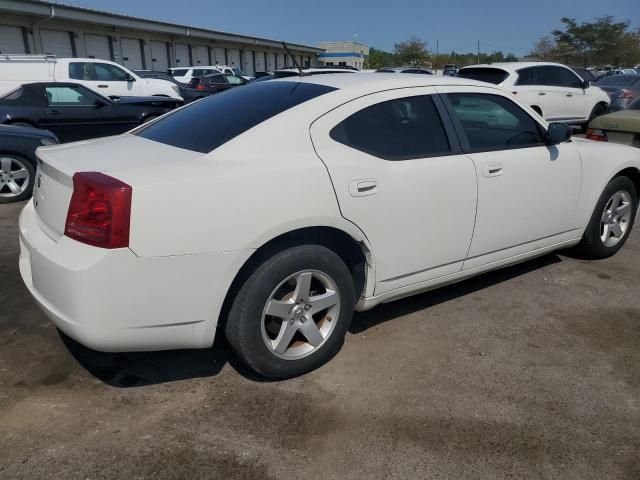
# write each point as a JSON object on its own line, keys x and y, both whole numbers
{"x": 489, "y": 75}
{"x": 244, "y": 108}
{"x": 619, "y": 80}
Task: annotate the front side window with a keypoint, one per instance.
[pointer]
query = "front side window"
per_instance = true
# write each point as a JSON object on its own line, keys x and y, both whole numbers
{"x": 398, "y": 129}
{"x": 179, "y": 72}
{"x": 91, "y": 71}
{"x": 556, "y": 77}
{"x": 493, "y": 122}
{"x": 244, "y": 108}
{"x": 69, "y": 96}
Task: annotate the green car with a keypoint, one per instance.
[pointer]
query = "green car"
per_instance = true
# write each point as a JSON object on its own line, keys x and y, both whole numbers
{"x": 618, "y": 127}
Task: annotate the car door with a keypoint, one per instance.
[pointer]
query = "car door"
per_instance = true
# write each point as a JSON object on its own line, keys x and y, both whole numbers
{"x": 402, "y": 179}
{"x": 577, "y": 101}
{"x": 537, "y": 86}
{"x": 76, "y": 113}
{"x": 527, "y": 190}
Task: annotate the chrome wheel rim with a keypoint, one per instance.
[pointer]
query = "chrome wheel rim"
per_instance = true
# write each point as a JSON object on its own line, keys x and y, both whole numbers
{"x": 615, "y": 218}
{"x": 14, "y": 177}
{"x": 300, "y": 314}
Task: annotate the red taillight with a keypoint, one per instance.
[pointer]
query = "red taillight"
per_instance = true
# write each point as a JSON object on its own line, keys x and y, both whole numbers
{"x": 200, "y": 87}
{"x": 626, "y": 94}
{"x": 596, "y": 134}
{"x": 100, "y": 211}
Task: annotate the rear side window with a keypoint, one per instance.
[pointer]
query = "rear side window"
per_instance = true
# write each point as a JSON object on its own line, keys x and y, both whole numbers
{"x": 178, "y": 72}
{"x": 398, "y": 129}
{"x": 493, "y": 122}
{"x": 29, "y": 95}
{"x": 243, "y": 108}
{"x": 556, "y": 77}
{"x": 489, "y": 75}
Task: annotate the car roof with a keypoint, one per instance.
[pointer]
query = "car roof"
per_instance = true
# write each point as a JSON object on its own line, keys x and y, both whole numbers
{"x": 376, "y": 82}
{"x": 515, "y": 66}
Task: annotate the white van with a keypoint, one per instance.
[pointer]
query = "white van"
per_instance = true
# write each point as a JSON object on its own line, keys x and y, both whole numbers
{"x": 107, "y": 78}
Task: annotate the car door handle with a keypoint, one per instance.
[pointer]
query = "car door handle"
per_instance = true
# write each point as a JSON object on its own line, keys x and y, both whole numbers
{"x": 493, "y": 170}
{"x": 53, "y": 112}
{"x": 542, "y": 93}
{"x": 363, "y": 187}
{"x": 103, "y": 86}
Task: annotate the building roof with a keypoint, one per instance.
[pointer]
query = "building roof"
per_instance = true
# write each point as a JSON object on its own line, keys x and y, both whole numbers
{"x": 44, "y": 9}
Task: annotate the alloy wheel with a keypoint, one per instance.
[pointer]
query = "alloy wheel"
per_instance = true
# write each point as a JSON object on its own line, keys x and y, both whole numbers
{"x": 615, "y": 218}
{"x": 14, "y": 177}
{"x": 300, "y": 314}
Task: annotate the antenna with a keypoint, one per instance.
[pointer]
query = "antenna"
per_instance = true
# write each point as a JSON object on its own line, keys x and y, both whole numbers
{"x": 286, "y": 49}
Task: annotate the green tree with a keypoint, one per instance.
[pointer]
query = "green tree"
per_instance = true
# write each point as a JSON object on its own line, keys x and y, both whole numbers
{"x": 379, "y": 59}
{"x": 412, "y": 51}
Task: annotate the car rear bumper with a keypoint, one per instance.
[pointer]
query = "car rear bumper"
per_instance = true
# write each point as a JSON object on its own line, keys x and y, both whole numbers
{"x": 113, "y": 300}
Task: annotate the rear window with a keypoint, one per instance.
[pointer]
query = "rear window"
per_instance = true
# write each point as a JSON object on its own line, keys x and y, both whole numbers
{"x": 31, "y": 95}
{"x": 243, "y": 108}
{"x": 489, "y": 75}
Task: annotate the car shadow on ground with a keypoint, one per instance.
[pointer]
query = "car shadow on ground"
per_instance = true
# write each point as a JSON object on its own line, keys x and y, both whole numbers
{"x": 124, "y": 370}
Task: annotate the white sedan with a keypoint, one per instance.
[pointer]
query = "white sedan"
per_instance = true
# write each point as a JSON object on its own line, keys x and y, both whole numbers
{"x": 316, "y": 195}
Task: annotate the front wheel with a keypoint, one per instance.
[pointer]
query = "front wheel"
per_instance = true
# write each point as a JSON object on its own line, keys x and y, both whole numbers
{"x": 612, "y": 220}
{"x": 17, "y": 176}
{"x": 292, "y": 313}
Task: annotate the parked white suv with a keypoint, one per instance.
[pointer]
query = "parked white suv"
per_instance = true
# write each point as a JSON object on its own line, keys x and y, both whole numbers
{"x": 185, "y": 74}
{"x": 107, "y": 78}
{"x": 553, "y": 90}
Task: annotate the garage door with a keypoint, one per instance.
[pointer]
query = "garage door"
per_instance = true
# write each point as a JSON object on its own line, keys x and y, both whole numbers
{"x": 97, "y": 46}
{"x": 159, "y": 57}
{"x": 56, "y": 42}
{"x": 218, "y": 56}
{"x": 248, "y": 62}
{"x": 131, "y": 53}
{"x": 11, "y": 40}
{"x": 234, "y": 57}
{"x": 202, "y": 55}
{"x": 182, "y": 55}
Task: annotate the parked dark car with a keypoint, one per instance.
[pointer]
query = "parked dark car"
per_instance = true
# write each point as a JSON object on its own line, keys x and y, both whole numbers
{"x": 74, "y": 112}
{"x": 18, "y": 160}
{"x": 450, "y": 70}
{"x": 622, "y": 90}
{"x": 200, "y": 87}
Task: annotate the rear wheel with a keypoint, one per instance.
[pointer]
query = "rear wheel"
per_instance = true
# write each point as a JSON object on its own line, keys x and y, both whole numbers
{"x": 292, "y": 313}
{"x": 597, "y": 111}
{"x": 612, "y": 220}
{"x": 17, "y": 176}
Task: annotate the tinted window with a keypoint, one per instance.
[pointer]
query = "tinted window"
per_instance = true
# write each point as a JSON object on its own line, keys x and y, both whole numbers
{"x": 395, "y": 130}
{"x": 526, "y": 76}
{"x": 584, "y": 74}
{"x": 489, "y": 75}
{"x": 27, "y": 95}
{"x": 243, "y": 109}
{"x": 416, "y": 70}
{"x": 492, "y": 122}
{"x": 556, "y": 76}
{"x": 70, "y": 96}
{"x": 96, "y": 72}
{"x": 233, "y": 80}
{"x": 179, "y": 72}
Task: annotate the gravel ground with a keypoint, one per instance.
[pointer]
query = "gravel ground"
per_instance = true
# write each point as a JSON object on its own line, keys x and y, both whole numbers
{"x": 528, "y": 372}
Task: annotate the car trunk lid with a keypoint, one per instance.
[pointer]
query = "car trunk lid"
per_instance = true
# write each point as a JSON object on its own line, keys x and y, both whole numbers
{"x": 118, "y": 157}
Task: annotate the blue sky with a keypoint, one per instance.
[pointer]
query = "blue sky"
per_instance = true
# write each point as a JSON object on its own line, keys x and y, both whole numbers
{"x": 508, "y": 25}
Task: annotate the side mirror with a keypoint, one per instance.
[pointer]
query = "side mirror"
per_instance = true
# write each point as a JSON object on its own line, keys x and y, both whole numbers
{"x": 585, "y": 84}
{"x": 558, "y": 133}
{"x": 130, "y": 78}
{"x": 99, "y": 103}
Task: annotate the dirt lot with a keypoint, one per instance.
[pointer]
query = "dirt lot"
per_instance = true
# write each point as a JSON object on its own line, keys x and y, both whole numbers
{"x": 529, "y": 372}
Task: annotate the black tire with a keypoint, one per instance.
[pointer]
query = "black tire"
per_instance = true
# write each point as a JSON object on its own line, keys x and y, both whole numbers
{"x": 592, "y": 245}
{"x": 5, "y": 193}
{"x": 597, "y": 111}
{"x": 244, "y": 327}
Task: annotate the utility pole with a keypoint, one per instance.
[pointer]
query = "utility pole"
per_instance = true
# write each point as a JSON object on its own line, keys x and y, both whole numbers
{"x": 478, "y": 51}
{"x": 436, "y": 59}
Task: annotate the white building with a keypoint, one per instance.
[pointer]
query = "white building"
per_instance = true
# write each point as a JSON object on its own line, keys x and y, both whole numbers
{"x": 31, "y": 26}
{"x": 350, "y": 54}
